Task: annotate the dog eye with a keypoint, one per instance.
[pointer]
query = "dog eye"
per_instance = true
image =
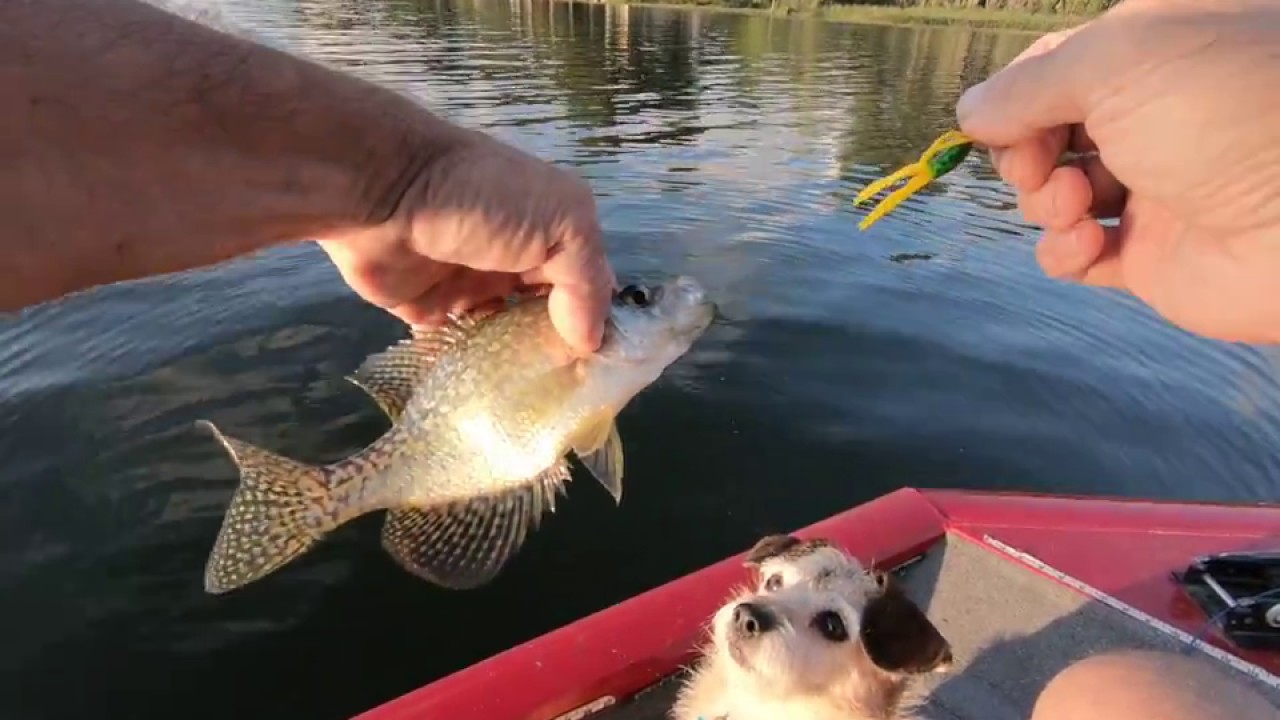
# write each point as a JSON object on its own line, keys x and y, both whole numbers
{"x": 831, "y": 626}
{"x": 774, "y": 582}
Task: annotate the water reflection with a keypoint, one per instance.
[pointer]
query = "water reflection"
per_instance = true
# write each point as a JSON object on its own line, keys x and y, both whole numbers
{"x": 728, "y": 146}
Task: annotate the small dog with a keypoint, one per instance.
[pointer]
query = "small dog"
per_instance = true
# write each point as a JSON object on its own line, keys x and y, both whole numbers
{"x": 818, "y": 638}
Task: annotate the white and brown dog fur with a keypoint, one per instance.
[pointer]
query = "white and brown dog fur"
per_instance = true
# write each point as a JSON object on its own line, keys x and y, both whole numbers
{"x": 818, "y": 638}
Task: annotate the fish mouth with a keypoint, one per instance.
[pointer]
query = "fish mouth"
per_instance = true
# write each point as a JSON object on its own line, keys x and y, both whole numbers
{"x": 695, "y": 326}
{"x": 707, "y": 310}
{"x": 714, "y": 312}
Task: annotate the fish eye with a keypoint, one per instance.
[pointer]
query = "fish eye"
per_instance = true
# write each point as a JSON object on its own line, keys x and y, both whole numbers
{"x": 637, "y": 295}
{"x": 830, "y": 625}
{"x": 773, "y": 582}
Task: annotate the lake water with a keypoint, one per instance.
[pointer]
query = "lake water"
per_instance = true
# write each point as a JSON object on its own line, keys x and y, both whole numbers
{"x": 727, "y": 146}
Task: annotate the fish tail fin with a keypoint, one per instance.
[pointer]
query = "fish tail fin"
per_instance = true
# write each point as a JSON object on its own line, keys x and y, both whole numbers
{"x": 281, "y": 508}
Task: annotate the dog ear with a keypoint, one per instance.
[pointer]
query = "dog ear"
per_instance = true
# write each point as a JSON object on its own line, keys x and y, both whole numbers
{"x": 897, "y": 636}
{"x": 770, "y": 546}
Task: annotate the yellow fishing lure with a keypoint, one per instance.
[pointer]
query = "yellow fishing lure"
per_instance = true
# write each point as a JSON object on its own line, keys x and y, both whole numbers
{"x": 943, "y": 156}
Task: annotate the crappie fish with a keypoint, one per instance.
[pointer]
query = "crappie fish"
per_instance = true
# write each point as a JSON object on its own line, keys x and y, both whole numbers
{"x": 484, "y": 414}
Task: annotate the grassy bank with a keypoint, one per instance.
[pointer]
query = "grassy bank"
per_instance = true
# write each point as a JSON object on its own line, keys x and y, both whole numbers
{"x": 1021, "y": 17}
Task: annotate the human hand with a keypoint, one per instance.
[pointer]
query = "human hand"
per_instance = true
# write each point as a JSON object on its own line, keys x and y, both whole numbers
{"x": 483, "y": 220}
{"x": 1180, "y": 99}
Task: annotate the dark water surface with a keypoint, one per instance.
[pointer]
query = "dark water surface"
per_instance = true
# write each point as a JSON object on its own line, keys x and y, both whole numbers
{"x": 728, "y": 146}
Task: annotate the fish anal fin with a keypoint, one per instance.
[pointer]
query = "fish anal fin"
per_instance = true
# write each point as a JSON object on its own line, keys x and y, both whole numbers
{"x": 599, "y": 448}
{"x": 465, "y": 544}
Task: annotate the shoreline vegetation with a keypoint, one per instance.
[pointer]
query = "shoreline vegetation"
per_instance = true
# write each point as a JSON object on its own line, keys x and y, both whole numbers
{"x": 1017, "y": 15}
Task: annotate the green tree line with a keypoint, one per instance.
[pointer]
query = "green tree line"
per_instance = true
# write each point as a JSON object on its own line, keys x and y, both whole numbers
{"x": 1060, "y": 7}
{"x": 929, "y": 11}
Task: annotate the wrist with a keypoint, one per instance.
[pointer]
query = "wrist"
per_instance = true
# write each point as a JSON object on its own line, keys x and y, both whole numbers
{"x": 353, "y": 148}
{"x": 408, "y": 145}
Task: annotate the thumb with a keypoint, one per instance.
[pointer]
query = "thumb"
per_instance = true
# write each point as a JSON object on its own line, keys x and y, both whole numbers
{"x": 1041, "y": 89}
{"x": 582, "y": 284}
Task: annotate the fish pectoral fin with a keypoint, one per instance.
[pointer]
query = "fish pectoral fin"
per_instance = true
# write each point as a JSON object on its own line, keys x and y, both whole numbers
{"x": 389, "y": 376}
{"x": 465, "y": 544}
{"x": 279, "y": 511}
{"x": 599, "y": 448}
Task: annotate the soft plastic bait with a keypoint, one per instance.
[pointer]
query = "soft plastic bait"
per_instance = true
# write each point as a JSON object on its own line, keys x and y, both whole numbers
{"x": 943, "y": 156}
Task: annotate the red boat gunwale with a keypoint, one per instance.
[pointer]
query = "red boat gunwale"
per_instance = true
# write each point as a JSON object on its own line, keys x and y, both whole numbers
{"x": 1122, "y": 548}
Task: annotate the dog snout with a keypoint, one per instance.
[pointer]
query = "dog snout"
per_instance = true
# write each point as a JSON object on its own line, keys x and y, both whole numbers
{"x": 750, "y": 619}
{"x": 945, "y": 661}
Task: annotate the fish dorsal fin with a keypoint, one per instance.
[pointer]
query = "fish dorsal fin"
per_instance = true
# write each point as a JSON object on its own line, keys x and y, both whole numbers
{"x": 390, "y": 376}
{"x": 599, "y": 447}
{"x": 465, "y": 544}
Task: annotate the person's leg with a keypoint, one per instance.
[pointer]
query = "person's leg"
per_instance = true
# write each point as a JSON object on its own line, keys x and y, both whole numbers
{"x": 1141, "y": 685}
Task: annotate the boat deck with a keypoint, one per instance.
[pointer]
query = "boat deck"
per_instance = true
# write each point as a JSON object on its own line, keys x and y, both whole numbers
{"x": 1011, "y": 628}
{"x": 1022, "y": 585}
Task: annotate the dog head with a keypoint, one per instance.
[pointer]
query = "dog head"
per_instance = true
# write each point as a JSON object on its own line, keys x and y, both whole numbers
{"x": 818, "y": 624}
{"x": 781, "y": 561}
{"x": 896, "y": 634}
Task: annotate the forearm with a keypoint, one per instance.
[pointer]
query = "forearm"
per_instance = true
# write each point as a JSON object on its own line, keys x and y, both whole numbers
{"x": 135, "y": 142}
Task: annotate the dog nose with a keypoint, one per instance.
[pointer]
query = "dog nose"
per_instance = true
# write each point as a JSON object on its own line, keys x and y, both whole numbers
{"x": 751, "y": 619}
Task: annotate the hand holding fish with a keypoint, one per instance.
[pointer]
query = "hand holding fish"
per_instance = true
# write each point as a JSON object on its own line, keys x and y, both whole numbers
{"x": 483, "y": 220}
{"x": 160, "y": 171}
{"x": 1180, "y": 100}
